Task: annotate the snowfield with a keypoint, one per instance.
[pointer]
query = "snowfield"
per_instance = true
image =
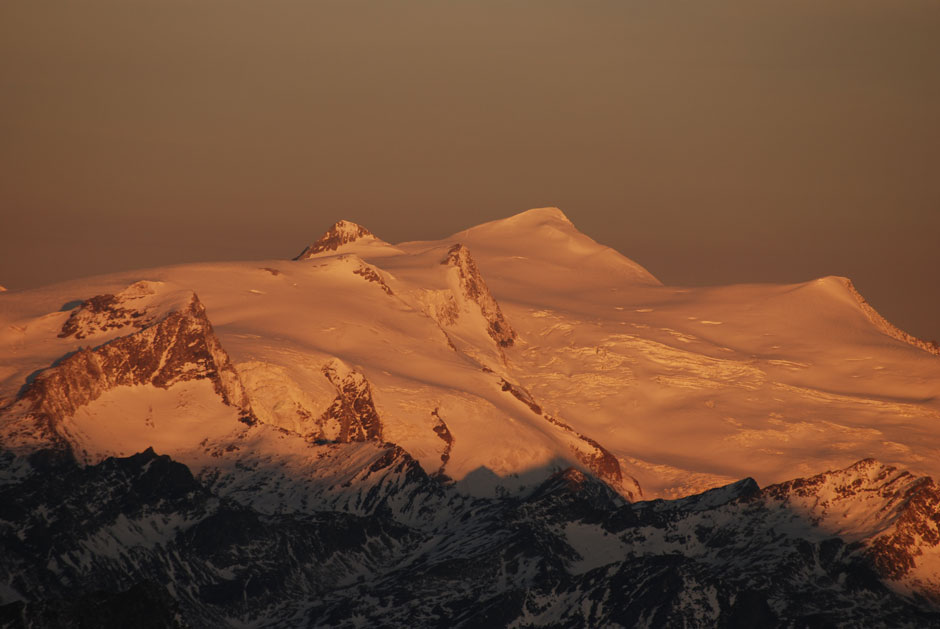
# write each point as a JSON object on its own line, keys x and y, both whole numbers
{"x": 688, "y": 388}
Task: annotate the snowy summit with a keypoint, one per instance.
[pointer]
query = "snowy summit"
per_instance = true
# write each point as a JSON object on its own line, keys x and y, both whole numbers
{"x": 340, "y": 234}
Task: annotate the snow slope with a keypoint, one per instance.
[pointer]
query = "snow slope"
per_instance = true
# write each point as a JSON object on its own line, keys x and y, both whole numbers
{"x": 528, "y": 349}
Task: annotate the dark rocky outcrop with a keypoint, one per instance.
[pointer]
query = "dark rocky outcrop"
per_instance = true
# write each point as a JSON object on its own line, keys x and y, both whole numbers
{"x": 473, "y": 289}
{"x": 441, "y": 430}
{"x": 352, "y": 415}
{"x": 588, "y": 451}
{"x": 369, "y": 274}
{"x": 133, "y": 307}
{"x": 100, "y": 314}
{"x": 341, "y": 233}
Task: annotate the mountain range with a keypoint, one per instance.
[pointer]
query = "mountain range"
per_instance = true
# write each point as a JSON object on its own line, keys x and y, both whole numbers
{"x": 511, "y": 426}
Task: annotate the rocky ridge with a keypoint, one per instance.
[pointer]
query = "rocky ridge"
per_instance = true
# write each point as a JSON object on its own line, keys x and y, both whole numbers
{"x": 588, "y": 451}
{"x": 886, "y": 326}
{"x": 441, "y": 430}
{"x": 897, "y": 512}
{"x": 181, "y": 346}
{"x": 132, "y": 307}
{"x": 341, "y": 233}
{"x": 142, "y": 532}
{"x": 471, "y": 288}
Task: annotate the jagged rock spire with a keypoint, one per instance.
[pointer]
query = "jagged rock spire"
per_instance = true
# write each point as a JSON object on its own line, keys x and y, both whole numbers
{"x": 341, "y": 233}
{"x": 474, "y": 289}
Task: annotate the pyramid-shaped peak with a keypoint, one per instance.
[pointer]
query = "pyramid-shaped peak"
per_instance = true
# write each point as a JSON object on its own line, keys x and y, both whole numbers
{"x": 353, "y": 231}
{"x": 341, "y": 233}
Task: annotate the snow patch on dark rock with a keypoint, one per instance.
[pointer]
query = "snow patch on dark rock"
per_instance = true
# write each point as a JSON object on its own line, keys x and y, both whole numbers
{"x": 341, "y": 233}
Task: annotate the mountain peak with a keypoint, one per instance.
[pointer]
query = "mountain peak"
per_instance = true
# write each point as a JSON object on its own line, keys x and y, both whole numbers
{"x": 341, "y": 233}
{"x": 543, "y": 219}
{"x": 540, "y": 214}
{"x": 350, "y": 229}
{"x": 546, "y": 234}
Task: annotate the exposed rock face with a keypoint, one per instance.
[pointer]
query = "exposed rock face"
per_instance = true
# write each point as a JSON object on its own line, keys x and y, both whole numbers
{"x": 99, "y": 314}
{"x": 899, "y": 513}
{"x": 341, "y": 233}
{"x": 368, "y": 273}
{"x": 522, "y": 395}
{"x": 895, "y": 553}
{"x": 111, "y": 312}
{"x": 352, "y": 415}
{"x": 441, "y": 430}
{"x": 179, "y": 347}
{"x": 588, "y": 451}
{"x": 473, "y": 289}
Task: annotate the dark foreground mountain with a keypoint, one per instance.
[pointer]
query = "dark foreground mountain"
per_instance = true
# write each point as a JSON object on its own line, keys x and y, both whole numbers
{"x": 139, "y": 541}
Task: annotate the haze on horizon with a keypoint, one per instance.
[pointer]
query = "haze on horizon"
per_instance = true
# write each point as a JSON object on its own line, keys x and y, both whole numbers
{"x": 713, "y": 143}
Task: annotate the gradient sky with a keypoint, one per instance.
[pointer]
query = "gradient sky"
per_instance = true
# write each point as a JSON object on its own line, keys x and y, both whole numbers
{"x": 713, "y": 142}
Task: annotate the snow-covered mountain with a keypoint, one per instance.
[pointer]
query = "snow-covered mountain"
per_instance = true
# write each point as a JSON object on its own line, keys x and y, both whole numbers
{"x": 139, "y": 541}
{"x": 492, "y": 412}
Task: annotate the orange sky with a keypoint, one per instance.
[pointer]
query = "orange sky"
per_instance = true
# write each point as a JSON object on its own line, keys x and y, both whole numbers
{"x": 713, "y": 142}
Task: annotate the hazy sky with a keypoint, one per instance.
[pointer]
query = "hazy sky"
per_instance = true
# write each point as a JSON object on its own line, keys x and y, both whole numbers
{"x": 713, "y": 142}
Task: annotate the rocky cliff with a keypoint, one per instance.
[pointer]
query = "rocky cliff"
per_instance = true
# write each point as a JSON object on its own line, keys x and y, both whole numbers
{"x": 178, "y": 347}
{"x": 352, "y": 415}
{"x": 341, "y": 233}
{"x": 471, "y": 289}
